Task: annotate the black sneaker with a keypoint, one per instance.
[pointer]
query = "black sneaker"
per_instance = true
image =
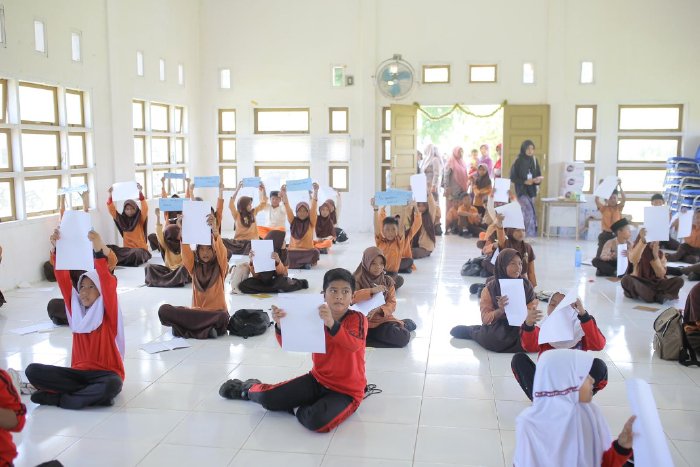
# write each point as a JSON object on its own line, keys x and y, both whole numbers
{"x": 323, "y": 251}
{"x": 237, "y": 389}
{"x": 46, "y": 398}
{"x": 213, "y": 334}
{"x": 304, "y": 283}
{"x": 462, "y": 332}
{"x": 474, "y": 288}
{"x": 410, "y": 325}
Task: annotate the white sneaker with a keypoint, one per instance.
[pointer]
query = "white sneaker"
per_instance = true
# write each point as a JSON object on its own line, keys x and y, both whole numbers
{"x": 21, "y": 386}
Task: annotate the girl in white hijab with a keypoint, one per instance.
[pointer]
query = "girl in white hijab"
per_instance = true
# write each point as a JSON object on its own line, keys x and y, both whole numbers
{"x": 563, "y": 427}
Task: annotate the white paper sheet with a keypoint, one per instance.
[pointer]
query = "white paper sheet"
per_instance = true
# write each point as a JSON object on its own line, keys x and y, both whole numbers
{"x": 656, "y": 223}
{"x": 685, "y": 224}
{"x": 649, "y": 441}
{"x": 622, "y": 261}
{"x": 501, "y": 185}
{"x": 262, "y": 260}
{"x": 513, "y": 215}
{"x": 419, "y": 187}
{"x": 365, "y": 307}
{"x": 494, "y": 257}
{"x": 40, "y": 327}
{"x": 195, "y": 230}
{"x": 74, "y": 249}
{"x": 164, "y": 346}
{"x": 676, "y": 264}
{"x": 558, "y": 327}
{"x": 570, "y": 298}
{"x": 302, "y": 328}
{"x": 516, "y": 309}
{"x": 121, "y": 191}
{"x": 606, "y": 187}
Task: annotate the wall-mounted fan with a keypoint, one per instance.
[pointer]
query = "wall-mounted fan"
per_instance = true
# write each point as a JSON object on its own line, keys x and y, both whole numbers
{"x": 395, "y": 77}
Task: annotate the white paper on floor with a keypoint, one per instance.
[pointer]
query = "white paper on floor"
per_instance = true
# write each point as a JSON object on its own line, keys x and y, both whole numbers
{"x": 40, "y": 327}
{"x": 164, "y": 346}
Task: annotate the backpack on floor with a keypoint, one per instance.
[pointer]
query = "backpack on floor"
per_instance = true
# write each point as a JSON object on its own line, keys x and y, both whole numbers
{"x": 472, "y": 267}
{"x": 246, "y": 323}
{"x": 340, "y": 235}
{"x": 670, "y": 340}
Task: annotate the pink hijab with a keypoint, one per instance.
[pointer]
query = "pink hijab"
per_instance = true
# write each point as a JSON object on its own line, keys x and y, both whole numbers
{"x": 458, "y": 168}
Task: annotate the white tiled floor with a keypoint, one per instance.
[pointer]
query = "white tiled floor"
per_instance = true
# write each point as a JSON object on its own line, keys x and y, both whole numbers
{"x": 445, "y": 402}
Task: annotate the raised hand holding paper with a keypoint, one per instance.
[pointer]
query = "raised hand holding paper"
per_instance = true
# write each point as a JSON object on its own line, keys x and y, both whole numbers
{"x": 513, "y": 215}
{"x": 516, "y": 309}
{"x": 174, "y": 176}
{"x": 392, "y": 198}
{"x": 622, "y": 260}
{"x": 252, "y": 182}
{"x": 170, "y": 204}
{"x": 304, "y": 184}
{"x": 649, "y": 441}
{"x": 656, "y": 223}
{"x": 121, "y": 191}
{"x": 685, "y": 224}
{"x": 73, "y": 189}
{"x": 262, "y": 257}
{"x": 606, "y": 187}
{"x": 74, "y": 249}
{"x": 302, "y": 328}
{"x": 501, "y": 185}
{"x": 207, "y": 182}
{"x": 195, "y": 230}
{"x": 419, "y": 187}
{"x": 365, "y": 307}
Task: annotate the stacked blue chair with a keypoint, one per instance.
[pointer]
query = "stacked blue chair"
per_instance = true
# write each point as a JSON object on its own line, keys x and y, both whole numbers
{"x": 682, "y": 182}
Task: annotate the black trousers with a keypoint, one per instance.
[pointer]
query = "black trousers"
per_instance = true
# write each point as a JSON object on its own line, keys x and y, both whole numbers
{"x": 388, "y": 335}
{"x": 524, "y": 371}
{"x": 605, "y": 268}
{"x": 398, "y": 280}
{"x": 57, "y": 311}
{"x": 78, "y": 388}
{"x": 602, "y": 238}
{"x": 319, "y": 408}
{"x": 405, "y": 266}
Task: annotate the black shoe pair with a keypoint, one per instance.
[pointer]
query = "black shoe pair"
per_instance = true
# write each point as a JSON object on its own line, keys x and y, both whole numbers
{"x": 409, "y": 324}
{"x": 237, "y": 389}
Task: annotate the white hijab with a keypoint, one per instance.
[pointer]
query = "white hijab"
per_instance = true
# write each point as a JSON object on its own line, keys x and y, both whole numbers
{"x": 430, "y": 155}
{"x": 84, "y": 321}
{"x": 558, "y": 430}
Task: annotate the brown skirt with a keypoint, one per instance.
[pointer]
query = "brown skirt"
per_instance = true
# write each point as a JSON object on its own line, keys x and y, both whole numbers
{"x": 130, "y": 257}
{"x": 298, "y": 259}
{"x": 236, "y": 247}
{"x": 498, "y": 337}
{"x": 278, "y": 284}
{"x": 158, "y": 275}
{"x": 651, "y": 291}
{"x": 194, "y": 323}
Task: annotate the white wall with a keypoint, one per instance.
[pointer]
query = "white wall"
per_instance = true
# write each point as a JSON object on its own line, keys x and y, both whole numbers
{"x": 280, "y": 54}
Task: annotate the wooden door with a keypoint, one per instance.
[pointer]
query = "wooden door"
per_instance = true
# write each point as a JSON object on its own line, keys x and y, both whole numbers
{"x": 404, "y": 132}
{"x": 521, "y": 122}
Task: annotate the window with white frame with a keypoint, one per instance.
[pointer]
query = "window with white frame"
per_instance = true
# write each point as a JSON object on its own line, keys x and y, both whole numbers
{"x": 75, "y": 46}
{"x": 648, "y": 134}
{"x": 584, "y": 143}
{"x": 160, "y": 145}
{"x": 45, "y": 144}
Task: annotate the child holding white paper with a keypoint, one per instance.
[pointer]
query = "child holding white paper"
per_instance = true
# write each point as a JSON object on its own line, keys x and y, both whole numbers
{"x": 276, "y": 215}
{"x": 657, "y": 199}
{"x": 689, "y": 250}
{"x": 563, "y": 427}
{"x": 48, "y": 267}
{"x": 244, "y": 214}
{"x": 495, "y": 333}
{"x": 173, "y": 273}
{"x": 515, "y": 239}
{"x": 423, "y": 242}
{"x": 606, "y": 263}
{"x": 302, "y": 223}
{"x": 611, "y": 212}
{"x": 275, "y": 281}
{"x": 646, "y": 276}
{"x": 97, "y": 370}
{"x": 392, "y": 244}
{"x": 170, "y": 217}
{"x": 132, "y": 223}
{"x": 325, "y": 227}
{"x": 208, "y": 316}
{"x": 334, "y": 388}
{"x": 385, "y": 330}
{"x": 587, "y": 336}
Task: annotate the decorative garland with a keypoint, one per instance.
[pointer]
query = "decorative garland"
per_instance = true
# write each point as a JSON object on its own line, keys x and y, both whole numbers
{"x": 460, "y": 108}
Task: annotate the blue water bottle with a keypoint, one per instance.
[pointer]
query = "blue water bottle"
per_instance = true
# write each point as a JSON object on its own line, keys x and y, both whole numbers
{"x": 578, "y": 256}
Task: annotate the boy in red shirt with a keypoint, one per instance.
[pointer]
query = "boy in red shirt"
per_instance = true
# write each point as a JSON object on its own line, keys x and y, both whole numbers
{"x": 12, "y": 418}
{"x": 587, "y": 336}
{"x": 97, "y": 370}
{"x": 335, "y": 387}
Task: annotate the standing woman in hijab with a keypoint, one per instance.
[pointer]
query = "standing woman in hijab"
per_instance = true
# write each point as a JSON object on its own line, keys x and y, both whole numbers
{"x": 563, "y": 427}
{"x": 526, "y": 175}
{"x": 646, "y": 273}
{"x": 207, "y": 265}
{"x": 495, "y": 333}
{"x": 384, "y": 329}
{"x": 302, "y": 224}
{"x": 132, "y": 223}
{"x": 431, "y": 166}
{"x": 456, "y": 179}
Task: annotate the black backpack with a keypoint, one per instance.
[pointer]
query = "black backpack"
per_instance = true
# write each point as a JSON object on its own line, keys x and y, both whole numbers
{"x": 246, "y": 323}
{"x": 340, "y": 235}
{"x": 472, "y": 267}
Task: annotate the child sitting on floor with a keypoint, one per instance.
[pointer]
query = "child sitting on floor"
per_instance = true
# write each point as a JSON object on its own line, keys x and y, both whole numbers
{"x": 387, "y": 238}
{"x": 587, "y": 336}
{"x": 423, "y": 243}
{"x": 334, "y": 388}
{"x": 302, "y": 224}
{"x": 606, "y": 263}
{"x": 325, "y": 228}
{"x": 173, "y": 273}
{"x": 132, "y": 223}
